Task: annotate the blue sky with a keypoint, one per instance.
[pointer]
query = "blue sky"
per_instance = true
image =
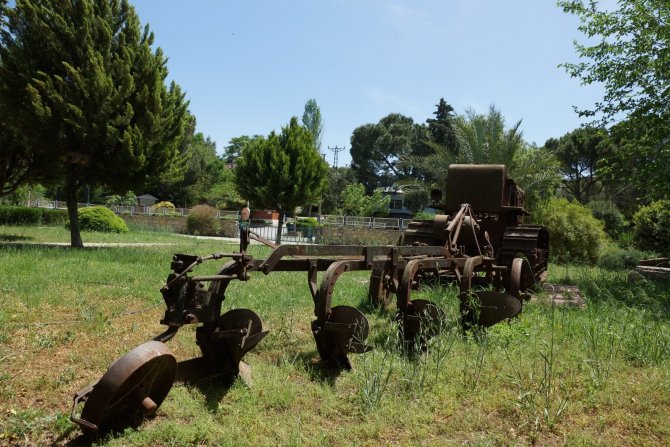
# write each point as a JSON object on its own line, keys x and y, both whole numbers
{"x": 248, "y": 66}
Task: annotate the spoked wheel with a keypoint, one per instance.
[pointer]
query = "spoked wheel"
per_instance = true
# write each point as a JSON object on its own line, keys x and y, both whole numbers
{"x": 224, "y": 344}
{"x": 345, "y": 331}
{"x": 420, "y": 320}
{"x": 133, "y": 385}
{"x": 483, "y": 308}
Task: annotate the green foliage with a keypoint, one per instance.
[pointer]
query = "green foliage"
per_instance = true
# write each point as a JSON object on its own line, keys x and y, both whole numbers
{"x": 652, "y": 227}
{"x": 24, "y": 194}
{"x": 86, "y": 75}
{"x": 626, "y": 53}
{"x": 377, "y": 150}
{"x": 100, "y": 218}
{"x": 20, "y": 215}
{"x": 164, "y": 205}
{"x": 202, "y": 221}
{"x": 311, "y": 119}
{"x": 424, "y": 215}
{"x": 281, "y": 171}
{"x": 606, "y": 210}
{"x": 616, "y": 258}
{"x": 574, "y": 234}
{"x": 127, "y": 199}
{"x": 355, "y": 202}
{"x": 338, "y": 179}
{"x": 579, "y": 153}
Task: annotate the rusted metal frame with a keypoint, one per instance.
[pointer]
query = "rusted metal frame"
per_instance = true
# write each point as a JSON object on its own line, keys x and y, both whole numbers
{"x": 325, "y": 293}
{"x": 369, "y": 253}
{"x": 409, "y": 272}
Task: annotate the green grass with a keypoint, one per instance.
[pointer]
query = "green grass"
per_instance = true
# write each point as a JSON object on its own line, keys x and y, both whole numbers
{"x": 553, "y": 376}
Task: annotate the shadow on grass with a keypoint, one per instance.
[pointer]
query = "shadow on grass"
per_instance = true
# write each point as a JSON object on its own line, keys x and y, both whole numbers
{"x": 318, "y": 370}
{"x": 14, "y": 238}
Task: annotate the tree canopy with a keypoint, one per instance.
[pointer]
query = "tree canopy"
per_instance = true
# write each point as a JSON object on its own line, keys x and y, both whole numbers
{"x": 87, "y": 93}
{"x": 311, "y": 119}
{"x": 628, "y": 53}
{"x": 281, "y": 171}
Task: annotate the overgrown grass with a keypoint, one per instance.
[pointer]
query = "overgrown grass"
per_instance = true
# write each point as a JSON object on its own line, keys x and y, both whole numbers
{"x": 553, "y": 376}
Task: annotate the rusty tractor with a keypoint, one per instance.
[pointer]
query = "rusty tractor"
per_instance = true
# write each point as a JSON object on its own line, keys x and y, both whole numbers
{"x": 494, "y": 259}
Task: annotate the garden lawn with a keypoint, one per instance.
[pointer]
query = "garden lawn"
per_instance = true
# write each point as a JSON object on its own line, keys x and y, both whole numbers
{"x": 554, "y": 376}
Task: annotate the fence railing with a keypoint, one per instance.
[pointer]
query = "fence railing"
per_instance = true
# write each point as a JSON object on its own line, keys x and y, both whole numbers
{"x": 333, "y": 220}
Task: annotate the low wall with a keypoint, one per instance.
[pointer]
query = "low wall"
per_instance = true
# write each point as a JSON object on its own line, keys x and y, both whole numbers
{"x": 175, "y": 224}
{"x": 331, "y": 235}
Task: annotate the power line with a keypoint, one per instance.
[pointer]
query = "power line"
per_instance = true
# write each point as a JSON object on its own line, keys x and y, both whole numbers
{"x": 335, "y": 151}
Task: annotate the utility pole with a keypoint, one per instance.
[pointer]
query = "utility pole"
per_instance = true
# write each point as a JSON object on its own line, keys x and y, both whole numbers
{"x": 335, "y": 151}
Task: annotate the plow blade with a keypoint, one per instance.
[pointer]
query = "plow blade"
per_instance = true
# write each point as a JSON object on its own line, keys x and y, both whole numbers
{"x": 423, "y": 321}
{"x": 133, "y": 386}
{"x": 224, "y": 344}
{"x": 345, "y": 331}
{"x": 486, "y": 308}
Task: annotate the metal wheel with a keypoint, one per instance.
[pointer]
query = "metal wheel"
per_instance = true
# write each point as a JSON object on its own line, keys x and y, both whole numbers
{"x": 345, "y": 331}
{"x": 521, "y": 279}
{"x": 133, "y": 385}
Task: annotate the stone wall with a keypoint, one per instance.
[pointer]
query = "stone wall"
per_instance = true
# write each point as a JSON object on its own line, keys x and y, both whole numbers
{"x": 331, "y": 235}
{"x": 174, "y": 224}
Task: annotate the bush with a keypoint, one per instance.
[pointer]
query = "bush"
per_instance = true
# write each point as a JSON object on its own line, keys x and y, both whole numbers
{"x": 99, "y": 218}
{"x": 202, "y": 221}
{"x": 574, "y": 234}
{"x": 617, "y": 258}
{"x": 607, "y": 211}
{"x": 165, "y": 205}
{"x": 20, "y": 215}
{"x": 652, "y": 227}
{"x": 54, "y": 218}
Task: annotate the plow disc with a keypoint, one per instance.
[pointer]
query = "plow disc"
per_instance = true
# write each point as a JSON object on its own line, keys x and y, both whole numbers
{"x": 223, "y": 344}
{"x": 422, "y": 321}
{"x": 345, "y": 331}
{"x": 486, "y": 308}
{"x": 133, "y": 385}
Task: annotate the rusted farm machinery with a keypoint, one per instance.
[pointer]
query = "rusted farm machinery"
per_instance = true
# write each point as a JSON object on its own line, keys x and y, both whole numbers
{"x": 487, "y": 248}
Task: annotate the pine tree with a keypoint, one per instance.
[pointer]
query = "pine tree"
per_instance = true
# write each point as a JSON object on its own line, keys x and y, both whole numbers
{"x": 87, "y": 92}
{"x": 281, "y": 171}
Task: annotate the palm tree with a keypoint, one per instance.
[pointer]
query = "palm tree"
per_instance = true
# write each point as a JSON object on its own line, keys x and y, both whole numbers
{"x": 483, "y": 139}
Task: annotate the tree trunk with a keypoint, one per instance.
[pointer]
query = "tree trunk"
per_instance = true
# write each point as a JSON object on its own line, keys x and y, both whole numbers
{"x": 71, "y": 199}
{"x": 280, "y": 224}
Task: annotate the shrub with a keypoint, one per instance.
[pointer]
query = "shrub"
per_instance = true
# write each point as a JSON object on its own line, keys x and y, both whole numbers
{"x": 607, "y": 211}
{"x": 652, "y": 227}
{"x": 574, "y": 234}
{"x": 202, "y": 221}
{"x": 99, "y": 218}
{"x": 164, "y": 206}
{"x": 54, "y": 217}
{"x": 617, "y": 258}
{"x": 20, "y": 215}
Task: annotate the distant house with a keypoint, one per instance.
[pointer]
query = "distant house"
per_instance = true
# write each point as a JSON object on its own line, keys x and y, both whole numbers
{"x": 397, "y": 207}
{"x": 146, "y": 200}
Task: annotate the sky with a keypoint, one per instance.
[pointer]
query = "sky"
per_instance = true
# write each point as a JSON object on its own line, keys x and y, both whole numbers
{"x": 248, "y": 66}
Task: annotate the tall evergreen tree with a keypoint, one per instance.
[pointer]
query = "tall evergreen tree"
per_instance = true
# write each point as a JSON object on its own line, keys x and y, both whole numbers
{"x": 441, "y": 127}
{"x": 87, "y": 93}
{"x": 311, "y": 119}
{"x": 281, "y": 171}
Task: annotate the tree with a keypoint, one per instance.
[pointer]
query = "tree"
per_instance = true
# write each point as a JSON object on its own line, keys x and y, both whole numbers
{"x": 485, "y": 139}
{"x": 355, "y": 202}
{"x": 631, "y": 60}
{"x": 441, "y": 127}
{"x": 377, "y": 149}
{"x": 235, "y": 147}
{"x": 281, "y": 171}
{"x": 311, "y": 119}
{"x": 579, "y": 153}
{"x": 88, "y": 96}
{"x": 338, "y": 180}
